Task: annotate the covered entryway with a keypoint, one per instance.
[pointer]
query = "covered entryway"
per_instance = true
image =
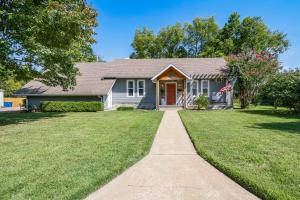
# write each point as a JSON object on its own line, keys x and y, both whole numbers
{"x": 170, "y": 87}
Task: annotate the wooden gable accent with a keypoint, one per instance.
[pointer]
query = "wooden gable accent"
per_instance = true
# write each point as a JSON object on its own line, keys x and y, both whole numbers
{"x": 171, "y": 74}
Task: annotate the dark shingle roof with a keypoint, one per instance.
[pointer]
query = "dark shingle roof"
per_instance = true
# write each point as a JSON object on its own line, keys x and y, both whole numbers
{"x": 94, "y": 76}
{"x": 89, "y": 83}
{"x": 147, "y": 68}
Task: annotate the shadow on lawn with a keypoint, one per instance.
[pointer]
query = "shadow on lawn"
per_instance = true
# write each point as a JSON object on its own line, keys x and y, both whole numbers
{"x": 291, "y": 127}
{"x": 19, "y": 118}
{"x": 275, "y": 113}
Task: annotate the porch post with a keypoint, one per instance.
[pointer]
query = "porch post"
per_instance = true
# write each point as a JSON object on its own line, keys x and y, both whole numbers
{"x": 184, "y": 93}
{"x": 157, "y": 94}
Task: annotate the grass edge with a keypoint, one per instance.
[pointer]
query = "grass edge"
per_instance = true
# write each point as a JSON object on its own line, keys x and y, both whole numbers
{"x": 236, "y": 177}
{"x": 84, "y": 194}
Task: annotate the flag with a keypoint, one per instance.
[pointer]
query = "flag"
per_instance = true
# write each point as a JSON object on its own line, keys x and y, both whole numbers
{"x": 226, "y": 88}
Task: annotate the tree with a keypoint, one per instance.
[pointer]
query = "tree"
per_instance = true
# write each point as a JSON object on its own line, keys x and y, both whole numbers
{"x": 43, "y": 39}
{"x": 170, "y": 42}
{"x": 144, "y": 43}
{"x": 237, "y": 37}
{"x": 254, "y": 52}
{"x": 10, "y": 86}
{"x": 203, "y": 38}
{"x": 283, "y": 89}
{"x": 229, "y": 35}
{"x": 200, "y": 37}
{"x": 252, "y": 70}
{"x": 86, "y": 54}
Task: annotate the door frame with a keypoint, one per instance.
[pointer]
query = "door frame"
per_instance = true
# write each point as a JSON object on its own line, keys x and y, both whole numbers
{"x": 166, "y": 93}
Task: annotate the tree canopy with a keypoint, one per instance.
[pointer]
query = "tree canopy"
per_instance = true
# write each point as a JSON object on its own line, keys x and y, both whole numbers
{"x": 203, "y": 38}
{"x": 283, "y": 89}
{"x": 252, "y": 70}
{"x": 42, "y": 39}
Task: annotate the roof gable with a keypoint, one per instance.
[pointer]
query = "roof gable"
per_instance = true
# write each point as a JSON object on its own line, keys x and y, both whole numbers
{"x": 171, "y": 66}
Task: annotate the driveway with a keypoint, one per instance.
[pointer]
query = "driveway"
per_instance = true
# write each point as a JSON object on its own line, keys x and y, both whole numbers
{"x": 172, "y": 171}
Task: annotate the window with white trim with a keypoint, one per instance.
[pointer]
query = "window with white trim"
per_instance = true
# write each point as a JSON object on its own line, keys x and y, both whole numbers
{"x": 205, "y": 87}
{"x": 141, "y": 88}
{"x": 195, "y": 88}
{"x": 130, "y": 88}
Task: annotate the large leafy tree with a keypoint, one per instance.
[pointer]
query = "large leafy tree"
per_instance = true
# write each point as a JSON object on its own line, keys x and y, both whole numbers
{"x": 203, "y": 38}
{"x": 200, "y": 37}
{"x": 145, "y": 44}
{"x": 44, "y": 38}
{"x": 252, "y": 70}
{"x": 251, "y": 33}
{"x": 230, "y": 35}
{"x": 170, "y": 42}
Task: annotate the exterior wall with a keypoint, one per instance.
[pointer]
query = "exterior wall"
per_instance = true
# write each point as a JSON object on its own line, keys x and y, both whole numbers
{"x": 107, "y": 99}
{"x": 214, "y": 87}
{"x": 119, "y": 95}
{"x": 16, "y": 102}
{"x": 1, "y": 98}
{"x": 36, "y": 100}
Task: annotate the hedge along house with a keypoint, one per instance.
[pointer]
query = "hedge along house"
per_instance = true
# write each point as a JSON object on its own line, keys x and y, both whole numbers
{"x": 142, "y": 83}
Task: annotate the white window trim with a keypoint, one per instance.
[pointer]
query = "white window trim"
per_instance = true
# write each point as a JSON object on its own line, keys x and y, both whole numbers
{"x": 208, "y": 87}
{"x": 138, "y": 88}
{"x": 197, "y": 87}
{"x": 133, "y": 87}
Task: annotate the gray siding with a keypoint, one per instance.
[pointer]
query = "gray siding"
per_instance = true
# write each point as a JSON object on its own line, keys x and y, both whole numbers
{"x": 119, "y": 94}
{"x": 36, "y": 100}
{"x": 214, "y": 87}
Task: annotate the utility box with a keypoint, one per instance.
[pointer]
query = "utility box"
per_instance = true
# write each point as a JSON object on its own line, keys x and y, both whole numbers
{"x": 1, "y": 98}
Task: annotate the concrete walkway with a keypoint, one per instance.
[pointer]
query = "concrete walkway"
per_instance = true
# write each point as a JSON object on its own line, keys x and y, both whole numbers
{"x": 171, "y": 171}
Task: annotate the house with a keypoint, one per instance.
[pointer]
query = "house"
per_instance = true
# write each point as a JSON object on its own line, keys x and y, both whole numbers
{"x": 142, "y": 83}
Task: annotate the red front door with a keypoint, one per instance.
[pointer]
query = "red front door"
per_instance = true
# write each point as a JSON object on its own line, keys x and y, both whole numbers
{"x": 171, "y": 93}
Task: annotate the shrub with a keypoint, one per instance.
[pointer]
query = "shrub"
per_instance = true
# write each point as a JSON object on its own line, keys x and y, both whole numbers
{"x": 122, "y": 108}
{"x": 69, "y": 106}
{"x": 283, "y": 90}
{"x": 202, "y": 102}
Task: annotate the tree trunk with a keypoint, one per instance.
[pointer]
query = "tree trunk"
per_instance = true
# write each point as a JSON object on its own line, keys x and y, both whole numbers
{"x": 244, "y": 100}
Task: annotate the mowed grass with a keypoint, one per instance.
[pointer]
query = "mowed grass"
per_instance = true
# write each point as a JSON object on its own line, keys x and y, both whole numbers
{"x": 69, "y": 155}
{"x": 258, "y": 148}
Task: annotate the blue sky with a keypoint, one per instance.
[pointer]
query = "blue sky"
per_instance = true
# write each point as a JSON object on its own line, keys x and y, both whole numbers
{"x": 118, "y": 20}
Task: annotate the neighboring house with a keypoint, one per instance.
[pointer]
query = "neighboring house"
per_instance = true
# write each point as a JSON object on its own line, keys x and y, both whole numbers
{"x": 142, "y": 83}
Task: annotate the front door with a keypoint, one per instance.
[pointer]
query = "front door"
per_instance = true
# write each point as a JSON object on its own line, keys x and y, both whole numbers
{"x": 171, "y": 93}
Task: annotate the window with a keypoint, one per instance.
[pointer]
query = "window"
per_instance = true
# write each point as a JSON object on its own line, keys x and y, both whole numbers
{"x": 205, "y": 87}
{"x": 195, "y": 88}
{"x": 130, "y": 88}
{"x": 141, "y": 88}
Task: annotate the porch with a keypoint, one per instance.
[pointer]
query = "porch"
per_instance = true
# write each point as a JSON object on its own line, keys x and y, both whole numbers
{"x": 171, "y": 88}
{"x": 175, "y": 89}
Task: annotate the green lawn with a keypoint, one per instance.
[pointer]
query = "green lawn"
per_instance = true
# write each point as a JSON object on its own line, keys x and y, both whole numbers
{"x": 68, "y": 155}
{"x": 258, "y": 148}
